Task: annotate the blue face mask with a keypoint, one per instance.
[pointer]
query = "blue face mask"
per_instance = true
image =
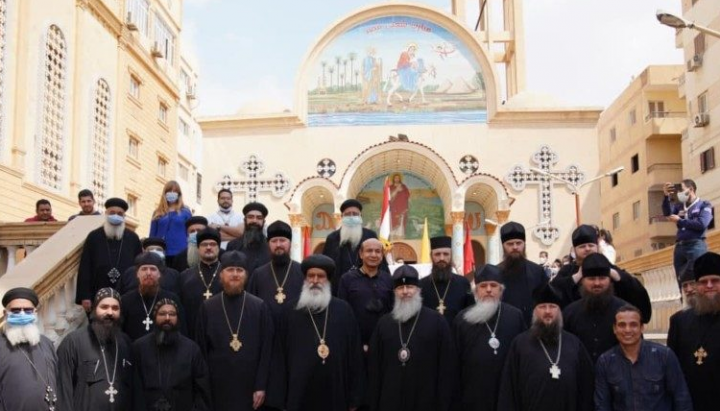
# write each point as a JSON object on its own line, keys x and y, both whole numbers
{"x": 192, "y": 238}
{"x": 171, "y": 197}
{"x": 160, "y": 253}
{"x": 352, "y": 221}
{"x": 115, "y": 219}
{"x": 21, "y": 318}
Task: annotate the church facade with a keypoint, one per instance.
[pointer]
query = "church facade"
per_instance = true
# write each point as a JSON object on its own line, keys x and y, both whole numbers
{"x": 411, "y": 95}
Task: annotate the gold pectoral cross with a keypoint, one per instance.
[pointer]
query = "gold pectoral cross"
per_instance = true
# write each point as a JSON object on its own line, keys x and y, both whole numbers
{"x": 441, "y": 308}
{"x": 700, "y": 354}
{"x": 280, "y": 296}
{"x": 235, "y": 343}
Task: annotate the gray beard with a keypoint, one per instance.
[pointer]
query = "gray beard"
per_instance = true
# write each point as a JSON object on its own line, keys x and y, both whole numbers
{"x": 548, "y": 334}
{"x": 482, "y": 311}
{"x": 691, "y": 301}
{"x": 405, "y": 310}
{"x": 351, "y": 235}
{"x": 193, "y": 255}
{"x": 22, "y": 334}
{"x": 313, "y": 299}
{"x": 707, "y": 305}
{"x": 113, "y": 232}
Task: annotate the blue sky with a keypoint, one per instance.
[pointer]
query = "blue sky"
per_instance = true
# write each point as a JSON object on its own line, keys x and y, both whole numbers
{"x": 583, "y": 52}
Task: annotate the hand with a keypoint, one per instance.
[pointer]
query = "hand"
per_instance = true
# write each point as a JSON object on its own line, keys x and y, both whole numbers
{"x": 258, "y": 399}
{"x": 86, "y": 305}
{"x": 668, "y": 189}
{"x": 674, "y": 218}
{"x": 577, "y": 276}
{"x": 614, "y": 275}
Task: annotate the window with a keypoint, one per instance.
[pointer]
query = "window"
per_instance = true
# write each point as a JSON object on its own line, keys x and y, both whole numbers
{"x": 133, "y": 147}
{"x": 183, "y": 171}
{"x": 198, "y": 188}
{"x": 52, "y": 145}
{"x": 161, "y": 167}
{"x": 184, "y": 80}
{"x": 636, "y": 210}
{"x": 699, "y": 44}
{"x": 613, "y": 135}
{"x": 707, "y": 160}
{"x": 183, "y": 128}
{"x": 632, "y": 117}
{"x": 635, "y": 163}
{"x": 162, "y": 113}
{"x": 100, "y": 144}
{"x": 134, "y": 87}
{"x": 616, "y": 221}
{"x": 656, "y": 109}
{"x": 702, "y": 103}
{"x": 138, "y": 14}
{"x": 165, "y": 39}
{"x": 132, "y": 205}
{"x": 614, "y": 179}
{"x": 3, "y": 28}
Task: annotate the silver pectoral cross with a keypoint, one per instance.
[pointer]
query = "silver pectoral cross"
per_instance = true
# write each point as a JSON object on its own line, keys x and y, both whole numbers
{"x": 555, "y": 372}
{"x": 148, "y": 322}
{"x": 111, "y": 392}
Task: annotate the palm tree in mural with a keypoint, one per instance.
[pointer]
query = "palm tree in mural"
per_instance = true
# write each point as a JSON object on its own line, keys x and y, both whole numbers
{"x": 338, "y": 60}
{"x": 331, "y": 70}
{"x": 323, "y": 64}
{"x": 352, "y": 57}
{"x": 342, "y": 80}
{"x": 345, "y": 73}
{"x": 357, "y": 74}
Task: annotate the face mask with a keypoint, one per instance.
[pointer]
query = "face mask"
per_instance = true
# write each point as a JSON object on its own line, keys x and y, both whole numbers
{"x": 171, "y": 197}
{"x": 554, "y": 270}
{"x": 159, "y": 253}
{"x": 192, "y": 238}
{"x": 21, "y": 318}
{"x": 683, "y": 196}
{"x": 115, "y": 219}
{"x": 352, "y": 221}
{"x": 543, "y": 260}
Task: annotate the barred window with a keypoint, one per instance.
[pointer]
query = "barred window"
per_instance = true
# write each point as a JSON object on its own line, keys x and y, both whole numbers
{"x": 50, "y": 149}
{"x": 100, "y": 145}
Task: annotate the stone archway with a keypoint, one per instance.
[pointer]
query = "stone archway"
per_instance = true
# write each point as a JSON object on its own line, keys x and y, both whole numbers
{"x": 403, "y": 251}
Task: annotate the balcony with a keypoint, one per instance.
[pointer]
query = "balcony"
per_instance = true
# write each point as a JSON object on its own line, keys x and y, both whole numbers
{"x": 659, "y": 229}
{"x": 661, "y": 124}
{"x": 660, "y": 173}
{"x": 681, "y": 86}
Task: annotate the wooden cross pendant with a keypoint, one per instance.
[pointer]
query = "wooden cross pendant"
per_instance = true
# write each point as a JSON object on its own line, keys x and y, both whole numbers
{"x": 700, "y": 354}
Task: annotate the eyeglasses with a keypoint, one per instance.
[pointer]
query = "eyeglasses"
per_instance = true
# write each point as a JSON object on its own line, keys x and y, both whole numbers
{"x": 18, "y": 310}
{"x": 208, "y": 245}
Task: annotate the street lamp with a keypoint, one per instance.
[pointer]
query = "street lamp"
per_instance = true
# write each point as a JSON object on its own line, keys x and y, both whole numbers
{"x": 575, "y": 189}
{"x": 674, "y": 21}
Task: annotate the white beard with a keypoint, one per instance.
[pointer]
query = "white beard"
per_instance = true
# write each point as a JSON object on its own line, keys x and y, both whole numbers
{"x": 19, "y": 334}
{"x": 353, "y": 235}
{"x": 193, "y": 255}
{"x": 313, "y": 299}
{"x": 482, "y": 311}
{"x": 114, "y": 232}
{"x": 405, "y": 310}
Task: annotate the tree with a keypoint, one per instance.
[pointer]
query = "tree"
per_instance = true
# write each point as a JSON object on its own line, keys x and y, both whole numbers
{"x": 324, "y": 65}
{"x": 352, "y": 57}
{"x": 338, "y": 59}
{"x": 331, "y": 70}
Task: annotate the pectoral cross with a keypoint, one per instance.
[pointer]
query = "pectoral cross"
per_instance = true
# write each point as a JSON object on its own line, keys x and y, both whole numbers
{"x": 207, "y": 294}
{"x": 280, "y": 296}
{"x": 50, "y": 398}
{"x": 441, "y": 308}
{"x": 555, "y": 372}
{"x": 700, "y": 354}
{"x": 111, "y": 392}
{"x": 148, "y": 322}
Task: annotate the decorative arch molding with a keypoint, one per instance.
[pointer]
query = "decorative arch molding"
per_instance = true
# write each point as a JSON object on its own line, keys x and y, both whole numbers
{"x": 295, "y": 203}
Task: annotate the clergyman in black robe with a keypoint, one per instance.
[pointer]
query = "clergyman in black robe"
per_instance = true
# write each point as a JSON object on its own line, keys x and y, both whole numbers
{"x": 253, "y": 242}
{"x": 522, "y": 277}
{"x": 107, "y": 252}
{"x": 694, "y": 335}
{"x": 442, "y": 290}
{"x": 482, "y": 334}
{"x": 547, "y": 369}
{"x": 235, "y": 333}
{"x": 321, "y": 345}
{"x": 190, "y": 257}
{"x": 169, "y": 278}
{"x": 171, "y": 373}
{"x": 95, "y": 371}
{"x": 412, "y": 358}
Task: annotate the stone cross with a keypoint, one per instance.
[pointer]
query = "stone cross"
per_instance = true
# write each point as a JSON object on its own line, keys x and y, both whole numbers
{"x": 253, "y": 167}
{"x": 518, "y": 177}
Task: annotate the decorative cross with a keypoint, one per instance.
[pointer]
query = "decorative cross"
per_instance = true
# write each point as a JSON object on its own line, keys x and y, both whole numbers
{"x": 469, "y": 164}
{"x": 253, "y": 167}
{"x": 111, "y": 392}
{"x": 700, "y": 354}
{"x": 555, "y": 372}
{"x": 148, "y": 322}
{"x": 207, "y": 294}
{"x": 326, "y": 168}
{"x": 518, "y": 177}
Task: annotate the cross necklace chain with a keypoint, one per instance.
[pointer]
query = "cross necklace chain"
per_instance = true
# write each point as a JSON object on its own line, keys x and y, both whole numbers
{"x": 280, "y": 295}
{"x": 323, "y": 350}
{"x": 147, "y": 321}
{"x": 114, "y": 273}
{"x": 441, "y": 307}
{"x": 404, "y": 351}
{"x": 207, "y": 294}
{"x": 493, "y": 342}
{"x": 111, "y": 391}
{"x": 235, "y": 342}
{"x": 554, "y": 369}
{"x": 50, "y": 396}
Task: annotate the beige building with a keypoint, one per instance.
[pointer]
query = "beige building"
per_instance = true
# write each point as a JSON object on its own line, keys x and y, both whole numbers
{"x": 641, "y": 131}
{"x": 91, "y": 97}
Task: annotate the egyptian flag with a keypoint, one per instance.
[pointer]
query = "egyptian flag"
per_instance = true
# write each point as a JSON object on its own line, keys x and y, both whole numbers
{"x": 384, "y": 234}
{"x": 307, "y": 244}
{"x": 468, "y": 254}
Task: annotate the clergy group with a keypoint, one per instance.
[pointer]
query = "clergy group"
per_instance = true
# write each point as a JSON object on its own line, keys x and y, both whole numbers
{"x": 248, "y": 328}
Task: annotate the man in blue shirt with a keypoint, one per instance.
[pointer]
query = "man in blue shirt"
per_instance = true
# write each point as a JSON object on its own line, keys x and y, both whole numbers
{"x": 692, "y": 217}
{"x": 638, "y": 374}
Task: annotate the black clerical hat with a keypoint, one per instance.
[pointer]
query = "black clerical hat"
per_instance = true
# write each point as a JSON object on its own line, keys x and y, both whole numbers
{"x": 547, "y": 294}
{"x": 350, "y": 202}
{"x": 489, "y": 273}
{"x": 154, "y": 241}
{"x": 149, "y": 258}
{"x": 208, "y": 234}
{"x": 512, "y": 231}
{"x": 320, "y": 261}
{"x": 116, "y": 202}
{"x": 585, "y": 234}
{"x": 688, "y": 274}
{"x": 707, "y": 264}
{"x": 107, "y": 292}
{"x": 164, "y": 301}
{"x": 196, "y": 219}
{"x": 596, "y": 265}
{"x": 405, "y": 275}
{"x": 20, "y": 292}
{"x": 255, "y": 206}
{"x": 440, "y": 242}
{"x": 279, "y": 229}
{"x": 234, "y": 259}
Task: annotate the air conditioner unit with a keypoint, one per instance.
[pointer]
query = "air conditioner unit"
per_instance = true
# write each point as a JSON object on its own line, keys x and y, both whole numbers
{"x": 156, "y": 50}
{"x": 701, "y": 120}
{"x": 190, "y": 93}
{"x": 130, "y": 23}
{"x": 694, "y": 63}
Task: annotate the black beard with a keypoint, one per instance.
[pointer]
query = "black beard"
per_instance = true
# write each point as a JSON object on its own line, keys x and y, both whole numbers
{"x": 514, "y": 264}
{"x": 707, "y": 305}
{"x": 597, "y": 303}
{"x": 441, "y": 275}
{"x": 166, "y": 336}
{"x": 105, "y": 329}
{"x": 253, "y": 236}
{"x": 548, "y": 334}
{"x": 281, "y": 259}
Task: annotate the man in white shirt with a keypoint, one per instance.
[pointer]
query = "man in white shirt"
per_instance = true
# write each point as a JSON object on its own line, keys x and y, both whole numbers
{"x": 229, "y": 223}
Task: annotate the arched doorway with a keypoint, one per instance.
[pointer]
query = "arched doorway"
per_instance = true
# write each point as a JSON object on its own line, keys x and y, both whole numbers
{"x": 404, "y": 252}
{"x": 479, "y": 253}
{"x": 319, "y": 248}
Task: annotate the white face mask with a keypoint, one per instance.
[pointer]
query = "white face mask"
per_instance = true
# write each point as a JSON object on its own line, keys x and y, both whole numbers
{"x": 684, "y": 196}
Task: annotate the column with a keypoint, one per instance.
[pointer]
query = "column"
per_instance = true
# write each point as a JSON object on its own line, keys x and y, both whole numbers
{"x": 337, "y": 219}
{"x": 502, "y": 218}
{"x": 493, "y": 243}
{"x": 296, "y": 222}
{"x": 458, "y": 238}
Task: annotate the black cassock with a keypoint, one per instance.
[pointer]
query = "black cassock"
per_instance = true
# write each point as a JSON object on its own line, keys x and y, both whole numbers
{"x": 83, "y": 379}
{"x": 173, "y": 375}
{"x": 594, "y": 329}
{"x": 688, "y": 332}
{"x": 133, "y": 313}
{"x": 520, "y": 284}
{"x": 345, "y": 256}
{"x": 192, "y": 291}
{"x": 21, "y": 388}
{"x": 527, "y": 385}
{"x": 426, "y": 381}
{"x": 338, "y": 384}
{"x": 257, "y": 254}
{"x": 236, "y": 375}
{"x": 628, "y": 288}
{"x": 169, "y": 280}
{"x": 480, "y": 365}
{"x": 99, "y": 257}
{"x": 457, "y": 299}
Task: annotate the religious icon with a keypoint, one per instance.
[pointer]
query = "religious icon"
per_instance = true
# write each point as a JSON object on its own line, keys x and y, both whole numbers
{"x": 399, "y": 206}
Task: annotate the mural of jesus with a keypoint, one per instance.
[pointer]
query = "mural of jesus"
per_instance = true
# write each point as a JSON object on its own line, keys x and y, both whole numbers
{"x": 399, "y": 201}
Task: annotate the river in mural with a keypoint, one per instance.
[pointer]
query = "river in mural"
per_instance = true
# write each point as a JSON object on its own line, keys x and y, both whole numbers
{"x": 396, "y": 70}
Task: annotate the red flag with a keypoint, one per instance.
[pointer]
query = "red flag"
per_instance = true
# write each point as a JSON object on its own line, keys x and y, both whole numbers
{"x": 468, "y": 254}
{"x": 307, "y": 244}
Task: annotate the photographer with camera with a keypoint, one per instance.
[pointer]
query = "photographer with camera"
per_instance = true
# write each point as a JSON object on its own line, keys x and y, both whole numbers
{"x": 692, "y": 217}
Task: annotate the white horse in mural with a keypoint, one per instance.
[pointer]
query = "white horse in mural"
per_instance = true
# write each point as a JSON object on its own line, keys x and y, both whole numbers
{"x": 394, "y": 83}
